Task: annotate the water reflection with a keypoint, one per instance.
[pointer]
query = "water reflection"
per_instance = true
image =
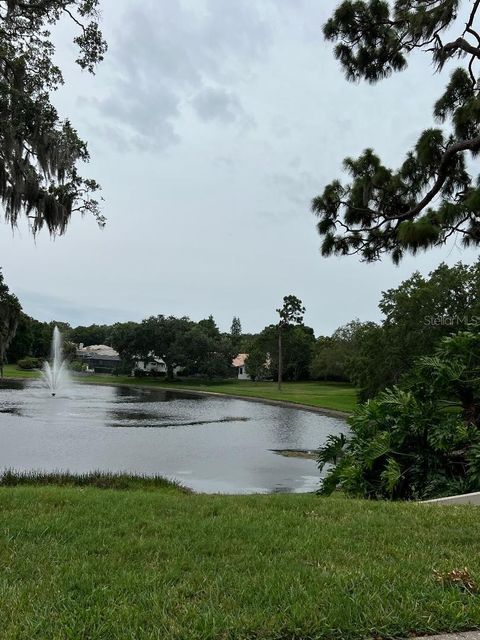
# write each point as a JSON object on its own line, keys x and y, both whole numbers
{"x": 211, "y": 444}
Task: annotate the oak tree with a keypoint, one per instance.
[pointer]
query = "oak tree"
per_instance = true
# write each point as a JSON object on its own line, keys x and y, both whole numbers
{"x": 40, "y": 153}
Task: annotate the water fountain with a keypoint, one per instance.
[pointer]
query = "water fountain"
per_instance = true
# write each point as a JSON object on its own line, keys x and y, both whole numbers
{"x": 54, "y": 373}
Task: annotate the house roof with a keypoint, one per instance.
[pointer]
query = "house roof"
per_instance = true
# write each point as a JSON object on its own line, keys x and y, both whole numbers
{"x": 100, "y": 350}
{"x": 239, "y": 361}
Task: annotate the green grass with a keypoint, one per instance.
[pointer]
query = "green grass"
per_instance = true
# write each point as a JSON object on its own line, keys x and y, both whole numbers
{"x": 12, "y": 371}
{"x": 99, "y": 564}
{"x": 327, "y": 395}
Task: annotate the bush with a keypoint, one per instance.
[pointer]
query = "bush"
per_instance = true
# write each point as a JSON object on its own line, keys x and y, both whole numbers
{"x": 28, "y": 364}
{"x": 418, "y": 440}
{"x": 77, "y": 366}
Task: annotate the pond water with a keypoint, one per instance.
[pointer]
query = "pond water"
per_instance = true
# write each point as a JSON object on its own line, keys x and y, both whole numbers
{"x": 209, "y": 444}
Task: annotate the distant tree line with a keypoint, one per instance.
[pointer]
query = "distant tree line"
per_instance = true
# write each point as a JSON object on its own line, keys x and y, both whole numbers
{"x": 198, "y": 348}
{"x": 373, "y": 356}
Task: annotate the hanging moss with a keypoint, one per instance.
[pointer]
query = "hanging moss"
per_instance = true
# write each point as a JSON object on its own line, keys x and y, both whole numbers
{"x": 39, "y": 152}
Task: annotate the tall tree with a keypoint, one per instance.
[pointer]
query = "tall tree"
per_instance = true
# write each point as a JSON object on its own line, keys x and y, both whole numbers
{"x": 433, "y": 194}
{"x": 10, "y": 310}
{"x": 236, "y": 334}
{"x": 40, "y": 153}
{"x": 290, "y": 313}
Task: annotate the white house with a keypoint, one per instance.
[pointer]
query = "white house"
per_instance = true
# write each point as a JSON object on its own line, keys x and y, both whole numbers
{"x": 155, "y": 365}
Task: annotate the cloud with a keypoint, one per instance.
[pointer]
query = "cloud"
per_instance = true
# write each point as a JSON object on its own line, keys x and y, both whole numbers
{"x": 46, "y": 307}
{"x": 296, "y": 185}
{"x": 186, "y": 53}
{"x": 217, "y": 104}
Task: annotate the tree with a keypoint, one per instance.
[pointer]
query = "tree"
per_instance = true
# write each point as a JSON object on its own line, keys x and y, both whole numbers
{"x": 126, "y": 339}
{"x": 21, "y": 346}
{"x": 39, "y": 153}
{"x": 291, "y": 313}
{"x": 433, "y": 195}
{"x": 417, "y": 315}
{"x": 333, "y": 355}
{"x": 204, "y": 353}
{"x": 209, "y": 326}
{"x": 258, "y": 361}
{"x": 236, "y": 334}
{"x": 10, "y": 310}
{"x": 372, "y": 365}
{"x": 94, "y": 334}
{"x": 420, "y": 439}
{"x": 298, "y": 343}
{"x": 163, "y": 338}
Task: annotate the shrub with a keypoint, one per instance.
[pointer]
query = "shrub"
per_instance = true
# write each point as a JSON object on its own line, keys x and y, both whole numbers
{"x": 77, "y": 366}
{"x": 29, "y": 363}
{"x": 417, "y": 440}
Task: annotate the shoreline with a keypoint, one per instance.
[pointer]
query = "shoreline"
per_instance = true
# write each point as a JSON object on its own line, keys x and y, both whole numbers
{"x": 332, "y": 413}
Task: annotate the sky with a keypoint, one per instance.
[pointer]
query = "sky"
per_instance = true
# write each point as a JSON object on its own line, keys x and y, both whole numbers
{"x": 211, "y": 125}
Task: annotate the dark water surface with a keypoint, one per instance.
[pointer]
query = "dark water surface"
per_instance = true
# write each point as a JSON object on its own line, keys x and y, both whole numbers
{"x": 206, "y": 443}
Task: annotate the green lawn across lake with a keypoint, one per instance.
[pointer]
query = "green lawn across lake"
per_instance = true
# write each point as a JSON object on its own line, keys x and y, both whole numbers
{"x": 154, "y": 563}
{"x": 327, "y": 395}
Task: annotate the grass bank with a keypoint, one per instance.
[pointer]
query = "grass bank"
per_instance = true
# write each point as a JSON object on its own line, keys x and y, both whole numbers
{"x": 12, "y": 371}
{"x": 156, "y": 563}
{"x": 326, "y": 395}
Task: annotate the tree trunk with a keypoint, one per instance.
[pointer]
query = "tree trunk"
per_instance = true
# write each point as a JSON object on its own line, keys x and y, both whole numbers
{"x": 280, "y": 357}
{"x": 169, "y": 372}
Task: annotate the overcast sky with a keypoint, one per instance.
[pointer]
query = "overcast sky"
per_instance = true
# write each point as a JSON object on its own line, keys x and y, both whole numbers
{"x": 211, "y": 125}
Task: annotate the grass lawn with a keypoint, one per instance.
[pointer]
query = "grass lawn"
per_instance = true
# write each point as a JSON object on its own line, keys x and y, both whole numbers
{"x": 12, "y": 371}
{"x": 155, "y": 563}
{"x": 328, "y": 395}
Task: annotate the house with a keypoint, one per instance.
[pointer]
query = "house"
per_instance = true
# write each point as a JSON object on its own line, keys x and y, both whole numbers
{"x": 240, "y": 365}
{"x": 99, "y": 357}
{"x": 155, "y": 365}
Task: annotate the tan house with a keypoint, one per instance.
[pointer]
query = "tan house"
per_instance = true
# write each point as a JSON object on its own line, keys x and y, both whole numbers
{"x": 240, "y": 365}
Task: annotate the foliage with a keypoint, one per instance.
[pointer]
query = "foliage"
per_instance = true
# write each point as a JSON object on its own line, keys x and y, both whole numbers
{"x": 40, "y": 154}
{"x": 88, "y": 336}
{"x": 124, "y": 339}
{"x": 417, "y": 314}
{"x": 33, "y": 338}
{"x": 236, "y": 335}
{"x": 10, "y": 310}
{"x": 203, "y": 351}
{"x": 199, "y": 348}
{"x": 77, "y": 366}
{"x": 433, "y": 194}
{"x": 258, "y": 361}
{"x": 417, "y": 440}
{"x": 297, "y": 347}
{"x": 372, "y": 365}
{"x": 333, "y": 355}
{"x": 291, "y": 312}
{"x": 29, "y": 363}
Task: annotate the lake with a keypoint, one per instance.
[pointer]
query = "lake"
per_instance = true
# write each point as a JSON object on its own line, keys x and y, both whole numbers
{"x": 210, "y": 444}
